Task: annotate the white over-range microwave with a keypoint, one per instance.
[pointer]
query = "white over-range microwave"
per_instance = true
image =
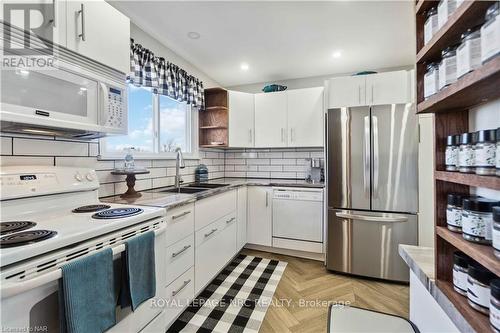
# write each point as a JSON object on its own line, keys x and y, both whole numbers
{"x": 77, "y": 98}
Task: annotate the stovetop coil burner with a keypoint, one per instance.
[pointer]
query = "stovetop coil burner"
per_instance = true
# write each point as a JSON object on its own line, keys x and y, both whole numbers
{"x": 90, "y": 208}
{"x": 15, "y": 226}
{"x": 116, "y": 213}
{"x": 26, "y": 237}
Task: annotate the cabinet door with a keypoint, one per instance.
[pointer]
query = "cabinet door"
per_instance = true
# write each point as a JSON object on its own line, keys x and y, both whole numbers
{"x": 241, "y": 119}
{"x": 259, "y": 225}
{"x": 305, "y": 117}
{"x": 346, "y": 91}
{"x": 100, "y": 32}
{"x": 270, "y": 119}
{"x": 242, "y": 217}
{"x": 388, "y": 88}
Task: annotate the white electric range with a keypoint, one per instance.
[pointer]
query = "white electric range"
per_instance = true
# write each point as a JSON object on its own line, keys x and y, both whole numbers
{"x": 50, "y": 216}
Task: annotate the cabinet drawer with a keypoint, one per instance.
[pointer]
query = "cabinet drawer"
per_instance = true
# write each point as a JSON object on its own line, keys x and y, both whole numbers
{"x": 180, "y": 223}
{"x": 212, "y": 230}
{"x": 213, "y": 208}
{"x": 179, "y": 294}
{"x": 180, "y": 257}
{"x": 157, "y": 325}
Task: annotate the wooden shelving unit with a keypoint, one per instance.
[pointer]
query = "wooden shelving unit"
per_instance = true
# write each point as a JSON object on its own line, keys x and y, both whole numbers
{"x": 451, "y": 107}
{"x": 214, "y": 119}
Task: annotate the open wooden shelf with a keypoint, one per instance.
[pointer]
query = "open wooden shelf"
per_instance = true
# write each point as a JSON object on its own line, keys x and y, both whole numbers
{"x": 467, "y": 15}
{"x": 471, "y": 89}
{"x": 483, "y": 254}
{"x": 423, "y": 5}
{"x": 214, "y": 119}
{"x": 212, "y": 127}
{"x": 213, "y": 146}
{"x": 478, "y": 321}
{"x": 491, "y": 182}
{"x": 210, "y": 108}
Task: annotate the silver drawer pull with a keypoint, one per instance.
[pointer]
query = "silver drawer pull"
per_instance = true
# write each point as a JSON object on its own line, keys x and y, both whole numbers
{"x": 174, "y": 217}
{"x": 180, "y": 251}
{"x": 175, "y": 292}
{"x": 231, "y": 220}
{"x": 211, "y": 232}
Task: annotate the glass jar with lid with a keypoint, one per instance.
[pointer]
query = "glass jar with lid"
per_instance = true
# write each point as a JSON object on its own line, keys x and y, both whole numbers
{"x": 495, "y": 305}
{"x": 484, "y": 152}
{"x": 451, "y": 153}
{"x": 431, "y": 80}
{"x": 445, "y": 9}
{"x": 496, "y": 231}
{"x": 430, "y": 24}
{"x": 469, "y": 51}
{"x": 477, "y": 219}
{"x": 478, "y": 287}
{"x": 448, "y": 67}
{"x": 460, "y": 267}
{"x": 454, "y": 212}
{"x": 466, "y": 162}
{"x": 490, "y": 33}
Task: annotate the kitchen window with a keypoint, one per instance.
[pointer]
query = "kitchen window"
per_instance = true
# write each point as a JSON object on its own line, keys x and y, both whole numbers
{"x": 157, "y": 125}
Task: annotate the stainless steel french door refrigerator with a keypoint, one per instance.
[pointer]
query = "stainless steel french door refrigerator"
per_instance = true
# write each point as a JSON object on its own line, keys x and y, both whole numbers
{"x": 372, "y": 189}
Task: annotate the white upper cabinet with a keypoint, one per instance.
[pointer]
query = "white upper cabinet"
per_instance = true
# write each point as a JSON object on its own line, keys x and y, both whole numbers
{"x": 241, "y": 119}
{"x": 271, "y": 119}
{"x": 388, "y": 88}
{"x": 305, "y": 117}
{"x": 97, "y": 30}
{"x": 346, "y": 91}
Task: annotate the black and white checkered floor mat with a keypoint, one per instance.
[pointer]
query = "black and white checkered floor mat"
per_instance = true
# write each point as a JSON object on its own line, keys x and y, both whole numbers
{"x": 236, "y": 300}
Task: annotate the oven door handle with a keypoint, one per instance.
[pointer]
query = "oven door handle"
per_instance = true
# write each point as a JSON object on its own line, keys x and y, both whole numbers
{"x": 10, "y": 289}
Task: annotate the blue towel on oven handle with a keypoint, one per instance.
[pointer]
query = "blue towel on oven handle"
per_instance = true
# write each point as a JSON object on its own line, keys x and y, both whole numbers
{"x": 139, "y": 274}
{"x": 87, "y": 300}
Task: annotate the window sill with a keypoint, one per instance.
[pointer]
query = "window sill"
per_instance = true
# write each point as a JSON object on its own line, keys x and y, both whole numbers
{"x": 145, "y": 156}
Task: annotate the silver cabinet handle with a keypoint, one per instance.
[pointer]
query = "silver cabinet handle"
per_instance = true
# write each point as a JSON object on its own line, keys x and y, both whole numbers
{"x": 267, "y": 199}
{"x": 375, "y": 156}
{"x": 371, "y": 218}
{"x": 53, "y": 20}
{"x": 372, "y": 92}
{"x": 292, "y": 134}
{"x": 210, "y": 233}
{"x": 366, "y": 157}
{"x": 175, "y": 292}
{"x": 175, "y": 217}
{"x": 82, "y": 13}
{"x": 359, "y": 94}
{"x": 175, "y": 254}
{"x": 249, "y": 135}
{"x": 282, "y": 135}
{"x": 231, "y": 220}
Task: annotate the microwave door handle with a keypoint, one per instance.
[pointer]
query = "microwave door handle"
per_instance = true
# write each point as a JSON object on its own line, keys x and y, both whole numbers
{"x": 104, "y": 103}
{"x": 10, "y": 289}
{"x": 382, "y": 219}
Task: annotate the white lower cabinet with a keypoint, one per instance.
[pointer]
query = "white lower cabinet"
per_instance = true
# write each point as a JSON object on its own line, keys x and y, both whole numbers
{"x": 180, "y": 223}
{"x": 180, "y": 257}
{"x": 157, "y": 325}
{"x": 242, "y": 217}
{"x": 179, "y": 295}
{"x": 259, "y": 224}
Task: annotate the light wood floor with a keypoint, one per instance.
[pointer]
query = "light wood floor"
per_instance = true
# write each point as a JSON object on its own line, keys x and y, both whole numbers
{"x": 309, "y": 280}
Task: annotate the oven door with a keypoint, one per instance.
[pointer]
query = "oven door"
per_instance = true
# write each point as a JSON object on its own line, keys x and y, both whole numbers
{"x": 58, "y": 98}
{"x": 36, "y": 309}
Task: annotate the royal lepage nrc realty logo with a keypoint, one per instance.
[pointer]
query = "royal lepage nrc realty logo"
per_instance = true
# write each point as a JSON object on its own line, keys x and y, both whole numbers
{"x": 28, "y": 35}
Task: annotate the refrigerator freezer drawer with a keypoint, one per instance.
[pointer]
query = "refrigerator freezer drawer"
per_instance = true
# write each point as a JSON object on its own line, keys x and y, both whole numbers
{"x": 366, "y": 243}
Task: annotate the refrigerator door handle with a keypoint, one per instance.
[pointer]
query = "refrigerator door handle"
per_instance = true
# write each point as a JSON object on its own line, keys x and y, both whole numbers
{"x": 366, "y": 157}
{"x": 375, "y": 156}
{"x": 394, "y": 219}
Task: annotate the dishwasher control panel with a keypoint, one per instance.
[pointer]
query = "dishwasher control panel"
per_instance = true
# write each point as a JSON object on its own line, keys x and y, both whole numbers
{"x": 298, "y": 195}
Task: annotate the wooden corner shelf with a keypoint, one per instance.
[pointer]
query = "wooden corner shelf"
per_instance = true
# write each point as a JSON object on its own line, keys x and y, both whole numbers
{"x": 467, "y": 15}
{"x": 472, "y": 89}
{"x": 491, "y": 182}
{"x": 483, "y": 254}
{"x": 212, "y": 127}
{"x": 213, "y": 146}
{"x": 211, "y": 108}
{"x": 214, "y": 119}
{"x": 478, "y": 321}
{"x": 423, "y": 5}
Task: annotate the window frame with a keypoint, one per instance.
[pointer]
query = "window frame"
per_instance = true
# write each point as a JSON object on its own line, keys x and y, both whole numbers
{"x": 191, "y": 137}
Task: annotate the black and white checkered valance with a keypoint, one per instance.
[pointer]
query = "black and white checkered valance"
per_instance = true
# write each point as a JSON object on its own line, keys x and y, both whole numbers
{"x": 164, "y": 77}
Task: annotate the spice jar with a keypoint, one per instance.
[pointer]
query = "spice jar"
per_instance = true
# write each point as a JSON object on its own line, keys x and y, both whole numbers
{"x": 451, "y": 153}
{"x": 496, "y": 231}
{"x": 497, "y": 154}
{"x": 454, "y": 212}
{"x": 490, "y": 33}
{"x": 431, "y": 24}
{"x": 448, "y": 67}
{"x": 469, "y": 51}
{"x": 460, "y": 267}
{"x": 484, "y": 152}
{"x": 445, "y": 9}
{"x": 495, "y": 305}
{"x": 466, "y": 153}
{"x": 477, "y": 219}
{"x": 431, "y": 80}
{"x": 478, "y": 287}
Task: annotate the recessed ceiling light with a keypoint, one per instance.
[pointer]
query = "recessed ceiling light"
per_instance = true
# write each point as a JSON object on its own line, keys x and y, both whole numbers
{"x": 336, "y": 54}
{"x": 244, "y": 66}
{"x": 194, "y": 35}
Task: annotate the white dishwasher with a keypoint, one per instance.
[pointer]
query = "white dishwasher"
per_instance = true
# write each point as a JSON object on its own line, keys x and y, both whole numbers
{"x": 298, "y": 219}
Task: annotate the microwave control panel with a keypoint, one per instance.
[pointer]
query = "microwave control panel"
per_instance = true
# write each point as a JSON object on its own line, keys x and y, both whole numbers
{"x": 115, "y": 108}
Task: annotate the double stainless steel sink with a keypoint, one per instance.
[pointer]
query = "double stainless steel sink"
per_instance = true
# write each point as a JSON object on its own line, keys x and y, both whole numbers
{"x": 194, "y": 188}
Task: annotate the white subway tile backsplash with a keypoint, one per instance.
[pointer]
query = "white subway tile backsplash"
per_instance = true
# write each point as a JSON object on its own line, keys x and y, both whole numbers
{"x": 26, "y": 160}
{"x": 162, "y": 182}
{"x": 258, "y": 161}
{"x": 235, "y": 174}
{"x": 106, "y": 190}
{"x": 258, "y": 174}
{"x": 294, "y": 168}
{"x": 49, "y": 148}
{"x": 85, "y": 162}
{"x": 296, "y": 154}
{"x": 6, "y": 147}
{"x": 287, "y": 175}
{"x": 270, "y": 168}
{"x": 93, "y": 149}
{"x": 270, "y": 155}
{"x": 283, "y": 161}
{"x": 231, "y": 161}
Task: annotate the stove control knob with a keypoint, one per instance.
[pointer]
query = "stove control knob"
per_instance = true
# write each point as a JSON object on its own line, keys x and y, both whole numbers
{"x": 90, "y": 177}
{"x": 78, "y": 177}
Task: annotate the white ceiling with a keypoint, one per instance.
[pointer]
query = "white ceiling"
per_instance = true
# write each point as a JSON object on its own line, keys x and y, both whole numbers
{"x": 280, "y": 40}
